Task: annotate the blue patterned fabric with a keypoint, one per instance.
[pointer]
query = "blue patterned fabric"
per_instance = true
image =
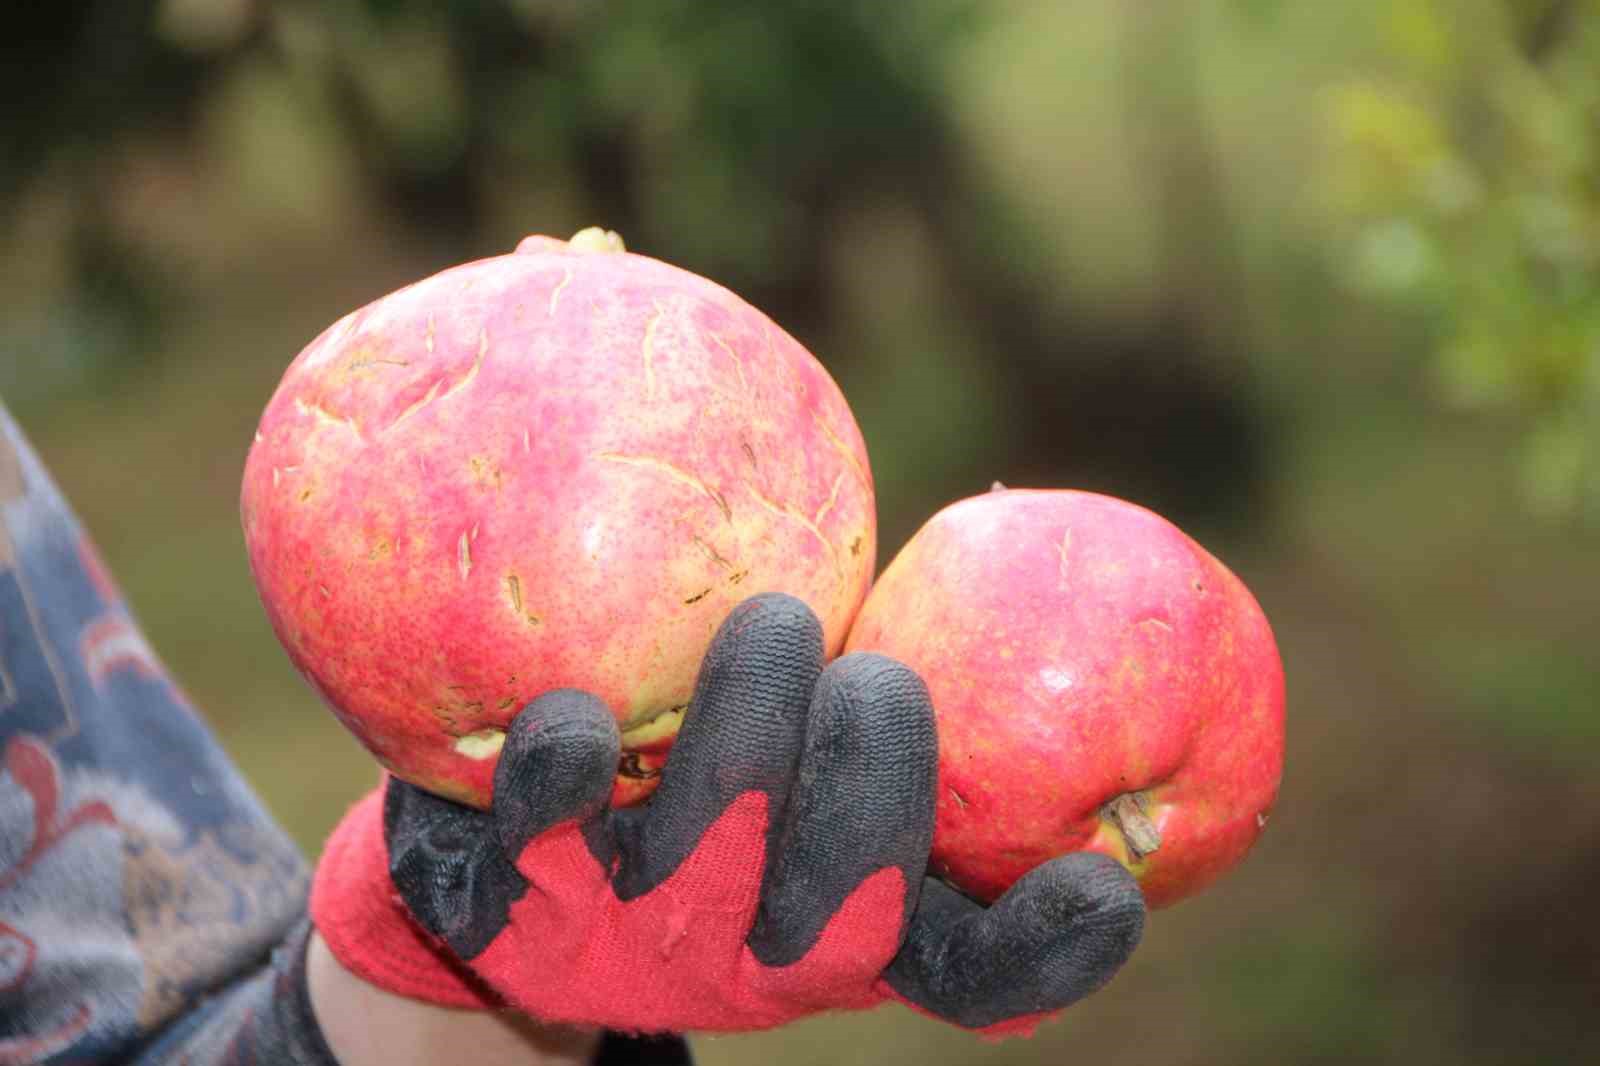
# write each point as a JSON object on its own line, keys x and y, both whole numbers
{"x": 151, "y": 911}
{"x": 138, "y": 873}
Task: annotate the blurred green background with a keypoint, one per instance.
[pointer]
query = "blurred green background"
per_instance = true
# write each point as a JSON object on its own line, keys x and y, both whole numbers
{"x": 1318, "y": 281}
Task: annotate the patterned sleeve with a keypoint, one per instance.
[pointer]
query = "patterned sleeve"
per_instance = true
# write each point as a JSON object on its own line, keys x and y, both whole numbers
{"x": 139, "y": 875}
{"x": 151, "y": 911}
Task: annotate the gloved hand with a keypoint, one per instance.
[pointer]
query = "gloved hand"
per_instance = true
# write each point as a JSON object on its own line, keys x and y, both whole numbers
{"x": 777, "y": 871}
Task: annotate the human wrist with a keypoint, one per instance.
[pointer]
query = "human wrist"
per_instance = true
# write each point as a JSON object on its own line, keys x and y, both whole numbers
{"x": 365, "y": 1025}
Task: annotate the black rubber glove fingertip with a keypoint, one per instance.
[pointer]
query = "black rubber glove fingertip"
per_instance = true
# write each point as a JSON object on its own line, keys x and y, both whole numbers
{"x": 557, "y": 765}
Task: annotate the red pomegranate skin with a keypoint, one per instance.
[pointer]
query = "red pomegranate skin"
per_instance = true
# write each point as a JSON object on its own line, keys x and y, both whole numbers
{"x": 559, "y": 467}
{"x": 1079, "y": 648}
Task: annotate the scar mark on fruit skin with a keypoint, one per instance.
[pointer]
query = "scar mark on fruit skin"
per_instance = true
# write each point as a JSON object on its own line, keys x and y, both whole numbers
{"x": 526, "y": 443}
{"x": 673, "y": 471}
{"x": 555, "y": 293}
{"x": 843, "y": 449}
{"x": 428, "y": 337}
{"x": 360, "y": 363}
{"x": 433, "y": 392}
{"x": 833, "y": 496}
{"x": 788, "y": 511}
{"x": 514, "y": 593}
{"x": 961, "y": 800}
{"x": 325, "y": 593}
{"x": 648, "y": 351}
{"x": 1061, "y": 553}
{"x": 711, "y": 553}
{"x": 327, "y": 417}
{"x": 431, "y": 395}
{"x": 472, "y": 372}
{"x": 697, "y": 597}
{"x": 485, "y": 471}
{"x": 738, "y": 576}
{"x": 464, "y": 555}
{"x": 738, "y": 364}
{"x": 1159, "y": 623}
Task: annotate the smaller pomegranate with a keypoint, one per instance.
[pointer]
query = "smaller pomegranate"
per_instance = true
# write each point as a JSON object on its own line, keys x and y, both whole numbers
{"x": 1101, "y": 683}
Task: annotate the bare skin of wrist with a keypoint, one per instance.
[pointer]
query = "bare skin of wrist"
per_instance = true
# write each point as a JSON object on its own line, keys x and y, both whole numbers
{"x": 367, "y": 1026}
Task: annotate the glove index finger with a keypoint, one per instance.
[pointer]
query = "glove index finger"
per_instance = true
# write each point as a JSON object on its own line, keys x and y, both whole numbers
{"x": 557, "y": 765}
{"x": 455, "y": 866}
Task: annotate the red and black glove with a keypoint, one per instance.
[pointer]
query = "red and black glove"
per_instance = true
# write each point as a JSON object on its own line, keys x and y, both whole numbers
{"x": 776, "y": 873}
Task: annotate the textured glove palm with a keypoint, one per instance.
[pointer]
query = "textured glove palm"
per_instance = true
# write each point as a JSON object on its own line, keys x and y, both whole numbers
{"x": 776, "y": 873}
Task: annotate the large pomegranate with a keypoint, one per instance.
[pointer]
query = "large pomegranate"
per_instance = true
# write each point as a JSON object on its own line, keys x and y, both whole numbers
{"x": 559, "y": 467}
{"x": 1101, "y": 683}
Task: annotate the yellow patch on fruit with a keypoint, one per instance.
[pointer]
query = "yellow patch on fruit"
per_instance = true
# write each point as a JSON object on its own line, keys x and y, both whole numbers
{"x": 484, "y": 744}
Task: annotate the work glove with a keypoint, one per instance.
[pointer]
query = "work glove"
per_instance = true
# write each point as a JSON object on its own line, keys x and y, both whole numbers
{"x": 777, "y": 872}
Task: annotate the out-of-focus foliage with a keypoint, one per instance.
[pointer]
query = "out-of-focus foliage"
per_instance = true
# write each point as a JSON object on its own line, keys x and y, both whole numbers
{"x": 1315, "y": 280}
{"x": 1463, "y": 161}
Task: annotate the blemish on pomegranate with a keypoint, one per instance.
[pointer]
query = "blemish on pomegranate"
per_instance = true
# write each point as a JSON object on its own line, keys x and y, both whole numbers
{"x": 362, "y": 362}
{"x": 647, "y": 351}
{"x": 483, "y": 744}
{"x": 427, "y": 398}
{"x": 787, "y": 511}
{"x": 325, "y": 416}
{"x": 855, "y": 546}
{"x": 629, "y": 765}
{"x": 464, "y": 555}
{"x": 738, "y": 366}
{"x": 555, "y": 293}
{"x": 325, "y": 593}
{"x": 961, "y": 800}
{"x": 833, "y": 496}
{"x": 484, "y": 471}
{"x": 711, "y": 552}
{"x": 514, "y": 592}
{"x": 843, "y": 449}
{"x": 735, "y": 578}
{"x": 697, "y": 597}
{"x": 673, "y": 471}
